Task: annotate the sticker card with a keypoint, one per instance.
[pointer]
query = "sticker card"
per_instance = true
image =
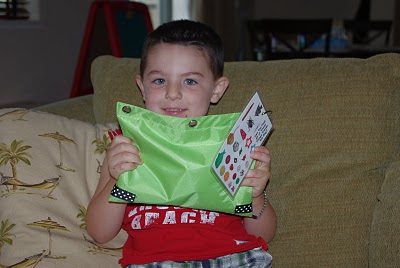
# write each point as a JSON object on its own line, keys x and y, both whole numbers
{"x": 251, "y": 130}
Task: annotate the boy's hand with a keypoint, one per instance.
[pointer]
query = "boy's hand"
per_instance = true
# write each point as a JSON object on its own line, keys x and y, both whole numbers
{"x": 122, "y": 156}
{"x": 259, "y": 176}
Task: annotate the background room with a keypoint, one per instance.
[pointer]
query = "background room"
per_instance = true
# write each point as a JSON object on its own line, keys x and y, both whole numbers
{"x": 39, "y": 55}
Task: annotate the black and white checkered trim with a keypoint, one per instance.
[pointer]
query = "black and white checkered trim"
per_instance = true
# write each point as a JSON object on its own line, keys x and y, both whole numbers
{"x": 244, "y": 209}
{"x": 123, "y": 194}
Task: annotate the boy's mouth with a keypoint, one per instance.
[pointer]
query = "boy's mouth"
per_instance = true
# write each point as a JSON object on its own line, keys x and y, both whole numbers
{"x": 177, "y": 112}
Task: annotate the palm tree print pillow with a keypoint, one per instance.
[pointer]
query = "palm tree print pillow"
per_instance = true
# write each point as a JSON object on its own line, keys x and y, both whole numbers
{"x": 49, "y": 168}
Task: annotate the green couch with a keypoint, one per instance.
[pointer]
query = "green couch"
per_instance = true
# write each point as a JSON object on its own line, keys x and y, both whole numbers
{"x": 335, "y": 147}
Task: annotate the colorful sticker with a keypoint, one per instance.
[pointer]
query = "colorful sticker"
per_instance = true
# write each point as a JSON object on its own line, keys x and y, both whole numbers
{"x": 233, "y": 161}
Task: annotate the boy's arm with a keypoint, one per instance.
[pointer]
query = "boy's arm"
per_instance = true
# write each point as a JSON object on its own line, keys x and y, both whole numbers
{"x": 265, "y": 226}
{"x": 103, "y": 218}
{"x": 258, "y": 178}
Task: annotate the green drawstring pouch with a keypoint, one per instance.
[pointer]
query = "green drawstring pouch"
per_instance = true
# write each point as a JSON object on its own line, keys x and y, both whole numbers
{"x": 177, "y": 155}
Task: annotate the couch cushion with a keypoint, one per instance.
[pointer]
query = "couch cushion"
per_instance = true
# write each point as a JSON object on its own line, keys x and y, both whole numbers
{"x": 336, "y": 130}
{"x": 385, "y": 230}
{"x": 113, "y": 80}
{"x": 79, "y": 108}
{"x": 49, "y": 170}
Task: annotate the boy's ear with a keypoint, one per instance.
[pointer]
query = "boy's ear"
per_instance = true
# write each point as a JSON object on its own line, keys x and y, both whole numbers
{"x": 221, "y": 85}
{"x": 139, "y": 82}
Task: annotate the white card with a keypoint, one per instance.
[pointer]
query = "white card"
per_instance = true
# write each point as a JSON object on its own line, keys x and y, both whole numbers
{"x": 233, "y": 162}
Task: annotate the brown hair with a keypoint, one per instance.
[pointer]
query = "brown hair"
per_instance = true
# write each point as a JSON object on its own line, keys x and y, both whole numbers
{"x": 187, "y": 33}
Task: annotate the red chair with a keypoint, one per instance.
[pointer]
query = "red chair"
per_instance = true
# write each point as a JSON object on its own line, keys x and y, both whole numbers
{"x": 115, "y": 28}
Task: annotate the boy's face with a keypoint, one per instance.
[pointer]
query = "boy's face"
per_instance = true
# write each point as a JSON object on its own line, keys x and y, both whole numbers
{"x": 178, "y": 81}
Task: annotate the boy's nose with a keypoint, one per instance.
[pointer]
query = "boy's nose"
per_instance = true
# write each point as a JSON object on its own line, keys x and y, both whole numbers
{"x": 173, "y": 92}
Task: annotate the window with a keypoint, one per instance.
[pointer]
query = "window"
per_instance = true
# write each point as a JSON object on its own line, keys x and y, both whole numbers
{"x": 19, "y": 10}
{"x": 162, "y": 11}
{"x": 154, "y": 10}
{"x": 181, "y": 9}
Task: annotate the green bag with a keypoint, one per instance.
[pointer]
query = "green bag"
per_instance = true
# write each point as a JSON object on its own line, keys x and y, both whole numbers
{"x": 177, "y": 155}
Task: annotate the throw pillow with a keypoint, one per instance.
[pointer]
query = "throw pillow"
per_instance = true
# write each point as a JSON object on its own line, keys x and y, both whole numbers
{"x": 49, "y": 167}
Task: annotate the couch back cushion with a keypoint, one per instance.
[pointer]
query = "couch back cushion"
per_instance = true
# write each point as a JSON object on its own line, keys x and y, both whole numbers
{"x": 335, "y": 131}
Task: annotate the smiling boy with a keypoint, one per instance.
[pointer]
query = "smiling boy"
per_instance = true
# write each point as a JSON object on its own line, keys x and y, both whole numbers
{"x": 181, "y": 73}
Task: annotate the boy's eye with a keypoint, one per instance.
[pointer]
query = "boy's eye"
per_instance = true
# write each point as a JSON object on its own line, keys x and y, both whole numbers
{"x": 190, "y": 82}
{"x": 159, "y": 81}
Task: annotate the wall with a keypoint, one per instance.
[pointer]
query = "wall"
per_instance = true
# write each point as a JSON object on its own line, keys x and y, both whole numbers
{"x": 38, "y": 59}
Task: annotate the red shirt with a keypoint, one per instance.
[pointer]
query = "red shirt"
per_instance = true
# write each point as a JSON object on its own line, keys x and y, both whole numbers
{"x": 160, "y": 233}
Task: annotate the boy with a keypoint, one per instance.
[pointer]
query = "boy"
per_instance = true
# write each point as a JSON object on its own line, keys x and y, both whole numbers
{"x": 181, "y": 73}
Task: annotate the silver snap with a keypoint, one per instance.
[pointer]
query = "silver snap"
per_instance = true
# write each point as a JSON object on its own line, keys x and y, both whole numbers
{"x": 192, "y": 123}
{"x": 126, "y": 109}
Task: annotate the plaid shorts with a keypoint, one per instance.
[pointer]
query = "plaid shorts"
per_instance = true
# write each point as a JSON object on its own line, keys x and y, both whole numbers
{"x": 256, "y": 258}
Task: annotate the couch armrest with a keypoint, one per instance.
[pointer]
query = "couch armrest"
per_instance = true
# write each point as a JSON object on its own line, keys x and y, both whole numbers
{"x": 78, "y": 108}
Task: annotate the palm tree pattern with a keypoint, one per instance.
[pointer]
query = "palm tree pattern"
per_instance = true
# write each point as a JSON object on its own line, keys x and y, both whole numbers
{"x": 14, "y": 154}
{"x": 5, "y": 234}
{"x": 18, "y": 157}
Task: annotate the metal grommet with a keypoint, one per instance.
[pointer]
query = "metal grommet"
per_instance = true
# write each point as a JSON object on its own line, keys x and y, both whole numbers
{"x": 192, "y": 123}
{"x": 126, "y": 109}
